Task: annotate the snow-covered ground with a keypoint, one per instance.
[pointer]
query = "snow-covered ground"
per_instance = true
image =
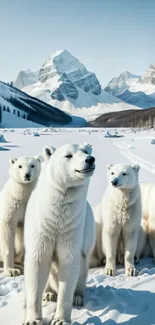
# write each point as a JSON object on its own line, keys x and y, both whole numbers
{"x": 109, "y": 300}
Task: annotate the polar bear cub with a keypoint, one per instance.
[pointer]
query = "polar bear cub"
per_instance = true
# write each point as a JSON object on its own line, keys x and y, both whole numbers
{"x": 119, "y": 216}
{"x": 146, "y": 240}
{"x": 56, "y": 217}
{"x": 14, "y": 196}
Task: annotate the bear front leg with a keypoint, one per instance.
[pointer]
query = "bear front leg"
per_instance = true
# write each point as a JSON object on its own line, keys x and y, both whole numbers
{"x": 81, "y": 284}
{"x": 110, "y": 246}
{"x": 130, "y": 245}
{"x": 69, "y": 270}
{"x": 7, "y": 234}
{"x": 36, "y": 275}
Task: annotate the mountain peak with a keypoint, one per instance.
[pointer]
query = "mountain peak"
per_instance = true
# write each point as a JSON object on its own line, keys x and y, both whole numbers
{"x": 63, "y": 52}
{"x": 129, "y": 75}
{"x": 60, "y": 62}
{"x": 62, "y": 65}
{"x": 120, "y": 84}
{"x": 152, "y": 66}
{"x": 26, "y": 78}
{"x": 149, "y": 76}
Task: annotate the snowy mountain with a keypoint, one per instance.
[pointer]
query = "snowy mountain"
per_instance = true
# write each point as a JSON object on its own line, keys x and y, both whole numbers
{"x": 21, "y": 108}
{"x": 120, "y": 84}
{"x": 64, "y": 82}
{"x": 135, "y": 90}
{"x": 149, "y": 76}
{"x": 26, "y": 78}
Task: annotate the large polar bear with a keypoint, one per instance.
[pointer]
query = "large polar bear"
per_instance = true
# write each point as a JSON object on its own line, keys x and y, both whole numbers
{"x": 14, "y": 196}
{"x": 118, "y": 218}
{"x": 146, "y": 241}
{"x": 59, "y": 225}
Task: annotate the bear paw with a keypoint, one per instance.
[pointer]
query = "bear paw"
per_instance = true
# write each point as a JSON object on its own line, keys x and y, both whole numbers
{"x": 12, "y": 272}
{"x": 131, "y": 271}
{"x": 33, "y": 322}
{"x": 109, "y": 271}
{"x": 58, "y": 321}
{"x": 50, "y": 296}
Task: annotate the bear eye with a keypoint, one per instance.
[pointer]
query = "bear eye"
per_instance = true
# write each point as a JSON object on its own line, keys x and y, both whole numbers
{"x": 20, "y": 166}
{"x": 32, "y": 166}
{"x": 124, "y": 174}
{"x": 69, "y": 156}
{"x": 112, "y": 173}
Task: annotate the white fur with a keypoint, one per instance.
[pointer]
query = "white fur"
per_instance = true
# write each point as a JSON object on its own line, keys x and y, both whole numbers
{"x": 146, "y": 241}
{"x": 118, "y": 216}
{"x": 51, "y": 289}
{"x": 13, "y": 200}
{"x": 59, "y": 223}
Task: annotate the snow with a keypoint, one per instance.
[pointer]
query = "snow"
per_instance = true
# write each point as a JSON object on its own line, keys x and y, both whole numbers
{"x": 109, "y": 300}
{"x": 148, "y": 89}
{"x": 11, "y": 120}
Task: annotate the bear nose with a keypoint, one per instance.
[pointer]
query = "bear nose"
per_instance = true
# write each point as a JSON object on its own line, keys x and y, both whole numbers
{"x": 114, "y": 182}
{"x": 27, "y": 176}
{"x": 90, "y": 160}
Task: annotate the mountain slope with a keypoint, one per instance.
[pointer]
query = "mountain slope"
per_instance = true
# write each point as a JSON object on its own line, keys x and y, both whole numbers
{"x": 137, "y": 98}
{"x": 26, "y": 78}
{"x": 120, "y": 84}
{"x": 65, "y": 83}
{"x": 18, "y": 103}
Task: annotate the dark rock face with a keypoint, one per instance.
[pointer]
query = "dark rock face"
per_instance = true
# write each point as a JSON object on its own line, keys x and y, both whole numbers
{"x": 89, "y": 83}
{"x": 68, "y": 89}
{"x": 65, "y": 89}
{"x": 56, "y": 94}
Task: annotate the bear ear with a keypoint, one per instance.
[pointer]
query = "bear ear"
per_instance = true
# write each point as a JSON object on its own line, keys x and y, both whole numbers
{"x": 12, "y": 160}
{"x": 39, "y": 158}
{"x": 86, "y": 146}
{"x": 136, "y": 167}
{"x": 109, "y": 167}
{"x": 48, "y": 152}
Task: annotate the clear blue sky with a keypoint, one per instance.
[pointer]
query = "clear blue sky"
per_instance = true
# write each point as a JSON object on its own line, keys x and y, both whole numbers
{"x": 108, "y": 36}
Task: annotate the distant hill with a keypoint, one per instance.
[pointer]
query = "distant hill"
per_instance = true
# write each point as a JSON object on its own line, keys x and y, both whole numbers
{"x": 14, "y": 101}
{"x": 130, "y": 118}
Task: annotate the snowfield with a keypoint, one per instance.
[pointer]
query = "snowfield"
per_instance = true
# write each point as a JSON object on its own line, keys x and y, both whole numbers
{"x": 109, "y": 300}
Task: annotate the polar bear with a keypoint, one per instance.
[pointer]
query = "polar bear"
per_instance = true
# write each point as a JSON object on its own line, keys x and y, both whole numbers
{"x": 59, "y": 224}
{"x": 146, "y": 241}
{"x": 14, "y": 196}
{"x": 118, "y": 217}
